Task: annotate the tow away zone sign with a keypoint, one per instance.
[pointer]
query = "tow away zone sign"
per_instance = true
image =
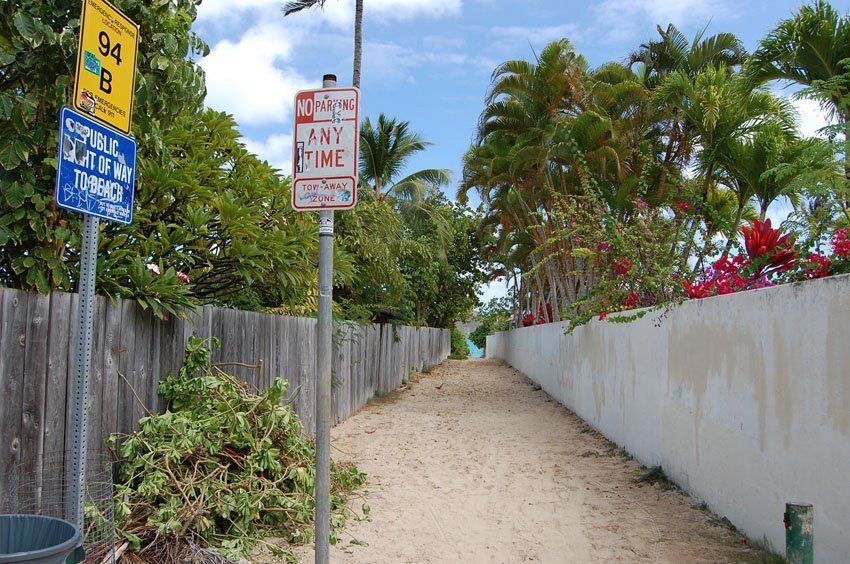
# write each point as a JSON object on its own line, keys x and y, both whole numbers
{"x": 325, "y": 144}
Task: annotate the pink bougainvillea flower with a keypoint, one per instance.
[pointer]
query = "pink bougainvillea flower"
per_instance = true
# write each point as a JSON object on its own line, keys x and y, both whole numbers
{"x": 840, "y": 244}
{"x": 818, "y": 266}
{"x": 700, "y": 289}
{"x": 631, "y": 300}
{"x": 603, "y": 246}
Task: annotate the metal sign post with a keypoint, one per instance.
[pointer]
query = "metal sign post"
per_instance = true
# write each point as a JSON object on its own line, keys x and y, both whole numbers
{"x": 75, "y": 469}
{"x": 325, "y": 178}
{"x": 96, "y": 173}
{"x": 323, "y": 387}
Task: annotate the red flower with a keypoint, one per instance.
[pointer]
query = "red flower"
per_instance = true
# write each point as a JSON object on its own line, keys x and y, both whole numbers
{"x": 603, "y": 315}
{"x": 697, "y": 290}
{"x": 631, "y": 301}
{"x": 840, "y": 244}
{"x": 761, "y": 240}
{"x": 818, "y": 266}
{"x": 623, "y": 266}
{"x": 684, "y": 206}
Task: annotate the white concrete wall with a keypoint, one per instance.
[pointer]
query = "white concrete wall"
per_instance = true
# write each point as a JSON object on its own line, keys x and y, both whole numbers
{"x": 744, "y": 400}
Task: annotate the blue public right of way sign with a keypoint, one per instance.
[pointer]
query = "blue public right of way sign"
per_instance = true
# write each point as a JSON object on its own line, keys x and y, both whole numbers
{"x": 96, "y": 170}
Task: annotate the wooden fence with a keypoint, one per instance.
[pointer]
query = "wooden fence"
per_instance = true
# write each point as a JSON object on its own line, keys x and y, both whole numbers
{"x": 132, "y": 351}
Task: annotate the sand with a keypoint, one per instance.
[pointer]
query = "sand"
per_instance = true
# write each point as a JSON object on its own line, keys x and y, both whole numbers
{"x": 474, "y": 463}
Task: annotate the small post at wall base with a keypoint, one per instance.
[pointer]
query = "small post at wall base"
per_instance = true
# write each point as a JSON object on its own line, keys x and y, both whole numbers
{"x": 799, "y": 533}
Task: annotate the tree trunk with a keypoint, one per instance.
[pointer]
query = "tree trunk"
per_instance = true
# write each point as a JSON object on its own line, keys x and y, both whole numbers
{"x": 699, "y": 212}
{"x": 358, "y": 42}
{"x": 734, "y": 228}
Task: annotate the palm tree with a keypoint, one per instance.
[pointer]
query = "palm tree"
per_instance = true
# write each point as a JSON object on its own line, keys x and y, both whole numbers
{"x": 719, "y": 107}
{"x": 384, "y": 150}
{"x": 812, "y": 49}
{"x": 773, "y": 163}
{"x": 298, "y": 5}
{"x": 674, "y": 54}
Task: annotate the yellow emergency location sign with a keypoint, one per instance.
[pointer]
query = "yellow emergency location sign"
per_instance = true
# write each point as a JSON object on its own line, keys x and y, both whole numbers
{"x": 106, "y": 64}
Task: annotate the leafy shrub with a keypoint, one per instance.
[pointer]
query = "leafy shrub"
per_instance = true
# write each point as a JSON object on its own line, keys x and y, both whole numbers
{"x": 460, "y": 348}
{"x": 220, "y": 469}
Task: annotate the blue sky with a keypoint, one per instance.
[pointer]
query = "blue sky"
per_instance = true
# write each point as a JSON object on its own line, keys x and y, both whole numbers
{"x": 429, "y": 61}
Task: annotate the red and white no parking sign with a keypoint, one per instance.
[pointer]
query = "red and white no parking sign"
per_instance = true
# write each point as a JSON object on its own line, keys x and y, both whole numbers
{"x": 325, "y": 144}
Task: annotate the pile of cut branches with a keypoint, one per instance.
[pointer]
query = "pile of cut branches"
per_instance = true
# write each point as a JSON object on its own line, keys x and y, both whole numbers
{"x": 219, "y": 470}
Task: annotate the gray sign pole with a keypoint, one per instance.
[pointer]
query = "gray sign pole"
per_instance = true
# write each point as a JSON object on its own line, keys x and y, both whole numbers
{"x": 76, "y": 466}
{"x": 323, "y": 377}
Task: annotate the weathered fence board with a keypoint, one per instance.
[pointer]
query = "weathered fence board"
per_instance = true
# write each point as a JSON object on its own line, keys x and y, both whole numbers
{"x": 57, "y": 370}
{"x": 13, "y": 306}
{"x": 132, "y": 352}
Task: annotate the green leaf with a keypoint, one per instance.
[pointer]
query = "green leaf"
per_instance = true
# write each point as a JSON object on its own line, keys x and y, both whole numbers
{"x": 170, "y": 45}
{"x": 41, "y": 283}
{"x": 9, "y": 156}
{"x": 15, "y": 194}
{"x": 5, "y": 106}
{"x": 21, "y": 150}
{"x": 160, "y": 62}
{"x": 25, "y": 24}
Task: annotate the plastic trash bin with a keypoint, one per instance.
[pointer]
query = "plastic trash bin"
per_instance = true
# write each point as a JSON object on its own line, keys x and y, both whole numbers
{"x": 36, "y": 539}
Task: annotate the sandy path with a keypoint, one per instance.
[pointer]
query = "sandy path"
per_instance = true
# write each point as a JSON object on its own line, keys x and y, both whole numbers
{"x": 473, "y": 463}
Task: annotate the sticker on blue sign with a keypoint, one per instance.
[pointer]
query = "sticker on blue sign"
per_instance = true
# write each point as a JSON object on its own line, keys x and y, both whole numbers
{"x": 96, "y": 169}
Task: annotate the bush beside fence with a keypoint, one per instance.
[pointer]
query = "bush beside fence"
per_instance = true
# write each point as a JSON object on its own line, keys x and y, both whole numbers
{"x": 132, "y": 351}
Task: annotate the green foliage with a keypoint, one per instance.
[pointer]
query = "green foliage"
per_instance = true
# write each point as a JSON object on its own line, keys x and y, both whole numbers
{"x": 415, "y": 256}
{"x": 494, "y": 317}
{"x": 220, "y": 468}
{"x": 441, "y": 263}
{"x": 37, "y": 61}
{"x": 384, "y": 150}
{"x": 584, "y": 169}
{"x": 371, "y": 235}
{"x": 216, "y": 213}
{"x": 460, "y": 348}
{"x": 212, "y": 223}
{"x": 628, "y": 260}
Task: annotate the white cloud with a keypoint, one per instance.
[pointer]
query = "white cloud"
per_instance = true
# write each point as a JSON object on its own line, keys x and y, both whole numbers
{"x": 245, "y": 78}
{"x": 393, "y": 62}
{"x": 544, "y": 34}
{"x": 507, "y": 38}
{"x": 409, "y": 9}
{"x": 620, "y": 20}
{"x": 496, "y": 289}
{"x": 211, "y": 10}
{"x": 337, "y": 13}
{"x": 277, "y": 150}
{"x": 810, "y": 116}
